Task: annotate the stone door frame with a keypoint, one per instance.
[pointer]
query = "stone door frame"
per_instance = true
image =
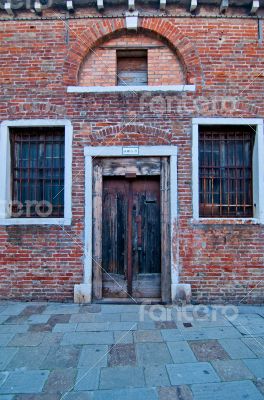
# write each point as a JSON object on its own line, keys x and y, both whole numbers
{"x": 83, "y": 291}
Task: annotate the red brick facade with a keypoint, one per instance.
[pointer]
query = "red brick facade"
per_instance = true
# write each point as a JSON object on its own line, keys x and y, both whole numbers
{"x": 223, "y": 57}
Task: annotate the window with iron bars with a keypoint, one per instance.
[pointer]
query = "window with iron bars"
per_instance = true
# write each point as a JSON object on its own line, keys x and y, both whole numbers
{"x": 37, "y": 172}
{"x": 225, "y": 171}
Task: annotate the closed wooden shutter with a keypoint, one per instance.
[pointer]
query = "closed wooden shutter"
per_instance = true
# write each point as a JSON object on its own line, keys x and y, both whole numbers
{"x": 132, "y": 67}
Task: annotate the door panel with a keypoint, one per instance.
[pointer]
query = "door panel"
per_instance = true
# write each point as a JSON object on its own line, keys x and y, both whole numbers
{"x": 146, "y": 237}
{"x": 114, "y": 230}
{"x": 131, "y": 247}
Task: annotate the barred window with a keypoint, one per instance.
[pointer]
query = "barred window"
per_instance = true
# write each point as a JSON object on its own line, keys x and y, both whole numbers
{"x": 225, "y": 171}
{"x": 37, "y": 172}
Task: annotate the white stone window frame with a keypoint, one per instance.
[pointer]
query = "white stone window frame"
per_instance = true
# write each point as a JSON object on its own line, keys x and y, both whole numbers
{"x": 5, "y": 172}
{"x": 258, "y": 169}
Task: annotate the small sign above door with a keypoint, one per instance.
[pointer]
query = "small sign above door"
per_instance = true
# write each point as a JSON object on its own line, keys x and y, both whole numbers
{"x": 131, "y": 151}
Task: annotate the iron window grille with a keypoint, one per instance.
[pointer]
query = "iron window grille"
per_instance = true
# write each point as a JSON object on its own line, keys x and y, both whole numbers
{"x": 225, "y": 171}
{"x": 37, "y": 172}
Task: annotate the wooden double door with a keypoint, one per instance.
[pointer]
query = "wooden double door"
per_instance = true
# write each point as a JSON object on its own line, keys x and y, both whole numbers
{"x": 131, "y": 237}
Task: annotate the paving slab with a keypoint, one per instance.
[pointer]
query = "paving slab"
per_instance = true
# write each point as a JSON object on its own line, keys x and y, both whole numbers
{"x": 123, "y": 337}
{"x": 77, "y": 318}
{"x": 16, "y": 319}
{"x": 6, "y": 397}
{"x": 236, "y": 348}
{"x": 165, "y": 325}
{"x": 6, "y": 354}
{"x": 92, "y": 327}
{"x": 84, "y": 395}
{"x": 24, "y": 382}
{"x": 70, "y": 327}
{"x": 223, "y": 332}
{"x": 40, "y": 328}
{"x": 182, "y": 392}
{"x": 122, "y": 354}
{"x": 110, "y": 317}
{"x": 232, "y": 370}
{"x": 87, "y": 379}
{"x": 27, "y": 339}
{"x": 256, "y": 367}
{"x": 247, "y": 319}
{"x": 251, "y": 330}
{"x": 122, "y": 377}
{"x": 62, "y": 357}
{"x": 62, "y": 309}
{"x": 122, "y": 326}
{"x": 3, "y": 377}
{"x": 172, "y": 335}
{"x": 87, "y": 338}
{"x": 93, "y": 356}
{"x": 38, "y": 396}
{"x": 28, "y": 358}
{"x": 148, "y": 336}
{"x": 5, "y": 338}
{"x": 38, "y": 319}
{"x": 146, "y": 325}
{"x": 13, "y": 309}
{"x": 240, "y": 390}
{"x": 256, "y": 345}
{"x": 200, "y": 372}
{"x": 126, "y": 394}
{"x": 60, "y": 380}
{"x": 11, "y": 328}
{"x": 33, "y": 309}
{"x": 156, "y": 375}
{"x": 260, "y": 385}
{"x": 90, "y": 308}
{"x": 207, "y": 350}
{"x": 120, "y": 308}
{"x": 152, "y": 354}
{"x": 129, "y": 317}
{"x": 51, "y": 339}
{"x": 181, "y": 352}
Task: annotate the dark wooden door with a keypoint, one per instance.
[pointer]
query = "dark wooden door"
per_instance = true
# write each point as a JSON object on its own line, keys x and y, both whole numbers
{"x": 131, "y": 247}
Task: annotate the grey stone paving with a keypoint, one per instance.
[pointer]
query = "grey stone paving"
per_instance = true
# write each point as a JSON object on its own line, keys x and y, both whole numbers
{"x": 50, "y": 351}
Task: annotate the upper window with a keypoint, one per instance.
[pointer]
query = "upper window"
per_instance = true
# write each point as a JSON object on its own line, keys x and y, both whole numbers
{"x": 37, "y": 172}
{"x": 225, "y": 171}
{"x": 132, "y": 67}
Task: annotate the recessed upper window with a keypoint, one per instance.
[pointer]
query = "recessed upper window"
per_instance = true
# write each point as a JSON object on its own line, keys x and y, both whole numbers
{"x": 37, "y": 172}
{"x": 132, "y": 67}
{"x": 133, "y": 60}
{"x": 226, "y": 171}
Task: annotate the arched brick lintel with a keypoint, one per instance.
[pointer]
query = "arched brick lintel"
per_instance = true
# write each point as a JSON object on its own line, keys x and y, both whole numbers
{"x": 103, "y": 30}
{"x": 137, "y": 134}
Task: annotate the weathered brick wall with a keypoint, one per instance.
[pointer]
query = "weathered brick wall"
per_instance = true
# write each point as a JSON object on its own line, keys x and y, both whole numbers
{"x": 39, "y": 58}
{"x": 99, "y": 67}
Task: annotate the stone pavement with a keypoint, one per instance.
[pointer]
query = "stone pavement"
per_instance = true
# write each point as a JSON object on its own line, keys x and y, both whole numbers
{"x": 51, "y": 351}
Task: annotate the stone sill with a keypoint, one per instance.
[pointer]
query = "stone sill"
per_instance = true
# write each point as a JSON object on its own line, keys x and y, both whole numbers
{"x": 35, "y": 221}
{"x": 226, "y": 221}
{"x": 130, "y": 89}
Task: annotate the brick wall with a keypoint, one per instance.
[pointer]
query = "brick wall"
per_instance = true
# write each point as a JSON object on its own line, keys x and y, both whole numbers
{"x": 39, "y": 58}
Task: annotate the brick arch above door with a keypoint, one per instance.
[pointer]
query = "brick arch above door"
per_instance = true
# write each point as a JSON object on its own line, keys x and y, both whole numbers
{"x": 102, "y": 31}
{"x": 134, "y": 134}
